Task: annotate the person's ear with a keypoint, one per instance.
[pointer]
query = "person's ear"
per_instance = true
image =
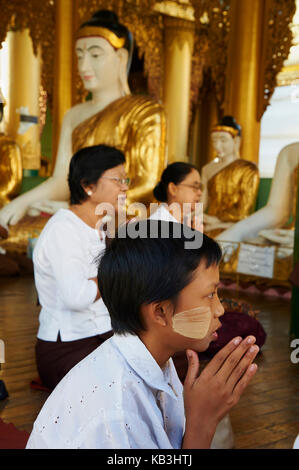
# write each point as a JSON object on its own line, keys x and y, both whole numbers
{"x": 156, "y": 314}
{"x": 88, "y": 188}
{"x": 172, "y": 189}
{"x": 159, "y": 313}
{"x": 123, "y": 57}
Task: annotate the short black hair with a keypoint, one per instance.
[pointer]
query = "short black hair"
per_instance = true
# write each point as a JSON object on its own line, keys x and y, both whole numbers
{"x": 138, "y": 271}
{"x": 87, "y": 166}
{"x": 174, "y": 173}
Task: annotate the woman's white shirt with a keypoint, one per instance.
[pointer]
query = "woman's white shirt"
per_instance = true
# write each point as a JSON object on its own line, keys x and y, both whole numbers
{"x": 162, "y": 213}
{"x": 118, "y": 397}
{"x": 64, "y": 263}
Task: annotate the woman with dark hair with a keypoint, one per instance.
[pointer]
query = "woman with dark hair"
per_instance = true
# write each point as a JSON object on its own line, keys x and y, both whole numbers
{"x": 73, "y": 318}
{"x": 179, "y": 190}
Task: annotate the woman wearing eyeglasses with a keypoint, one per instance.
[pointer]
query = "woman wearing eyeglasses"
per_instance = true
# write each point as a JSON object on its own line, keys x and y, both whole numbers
{"x": 179, "y": 190}
{"x": 73, "y": 319}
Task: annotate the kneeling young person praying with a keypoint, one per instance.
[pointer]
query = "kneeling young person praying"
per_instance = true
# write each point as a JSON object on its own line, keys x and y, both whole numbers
{"x": 161, "y": 294}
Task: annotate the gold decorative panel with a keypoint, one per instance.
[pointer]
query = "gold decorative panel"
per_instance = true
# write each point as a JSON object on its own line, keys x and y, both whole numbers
{"x": 277, "y": 41}
{"x": 39, "y": 18}
{"x": 212, "y": 18}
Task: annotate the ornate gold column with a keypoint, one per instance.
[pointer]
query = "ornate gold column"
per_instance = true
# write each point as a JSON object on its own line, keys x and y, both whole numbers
{"x": 179, "y": 41}
{"x": 63, "y": 67}
{"x": 206, "y": 116}
{"x": 23, "y": 97}
{"x": 243, "y": 69}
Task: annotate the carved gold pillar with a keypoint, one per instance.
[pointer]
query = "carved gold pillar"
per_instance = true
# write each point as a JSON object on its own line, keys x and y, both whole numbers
{"x": 243, "y": 69}
{"x": 179, "y": 41}
{"x": 209, "y": 116}
{"x": 23, "y": 97}
{"x": 206, "y": 116}
{"x": 63, "y": 68}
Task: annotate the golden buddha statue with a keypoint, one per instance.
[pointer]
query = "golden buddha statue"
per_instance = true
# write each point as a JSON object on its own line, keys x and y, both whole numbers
{"x": 134, "y": 124}
{"x": 10, "y": 163}
{"x": 230, "y": 183}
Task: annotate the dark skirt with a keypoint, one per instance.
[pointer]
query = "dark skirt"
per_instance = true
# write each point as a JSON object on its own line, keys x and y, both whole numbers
{"x": 55, "y": 358}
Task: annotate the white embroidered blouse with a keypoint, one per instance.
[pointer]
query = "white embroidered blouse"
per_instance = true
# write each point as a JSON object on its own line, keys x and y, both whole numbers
{"x": 118, "y": 397}
{"x": 64, "y": 263}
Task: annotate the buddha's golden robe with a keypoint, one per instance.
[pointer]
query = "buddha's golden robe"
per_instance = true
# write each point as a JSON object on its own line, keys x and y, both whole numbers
{"x": 10, "y": 169}
{"x": 10, "y": 185}
{"x": 233, "y": 191}
{"x": 135, "y": 125}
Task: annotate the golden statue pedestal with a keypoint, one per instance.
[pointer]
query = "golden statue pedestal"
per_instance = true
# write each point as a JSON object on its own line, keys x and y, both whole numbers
{"x": 16, "y": 261}
{"x": 19, "y": 234}
{"x": 268, "y": 265}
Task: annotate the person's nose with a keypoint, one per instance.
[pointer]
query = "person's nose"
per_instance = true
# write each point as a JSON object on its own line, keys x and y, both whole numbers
{"x": 218, "y": 308}
{"x": 124, "y": 187}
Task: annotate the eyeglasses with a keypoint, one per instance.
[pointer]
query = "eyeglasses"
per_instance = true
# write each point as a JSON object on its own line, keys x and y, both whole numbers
{"x": 195, "y": 187}
{"x": 120, "y": 181}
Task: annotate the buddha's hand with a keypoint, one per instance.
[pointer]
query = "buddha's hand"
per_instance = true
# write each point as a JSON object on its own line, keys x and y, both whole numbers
{"x": 195, "y": 222}
{"x": 210, "y": 219}
{"x": 12, "y": 213}
{"x": 221, "y": 225}
{"x": 209, "y": 396}
{"x": 213, "y": 223}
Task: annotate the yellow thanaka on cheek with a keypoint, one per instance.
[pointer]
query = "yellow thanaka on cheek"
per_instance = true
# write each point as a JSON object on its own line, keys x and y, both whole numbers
{"x": 194, "y": 323}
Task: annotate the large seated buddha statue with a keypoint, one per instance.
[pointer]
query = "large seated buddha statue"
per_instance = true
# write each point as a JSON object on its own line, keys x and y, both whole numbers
{"x": 230, "y": 183}
{"x": 134, "y": 124}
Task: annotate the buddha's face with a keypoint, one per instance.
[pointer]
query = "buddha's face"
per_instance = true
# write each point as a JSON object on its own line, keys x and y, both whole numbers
{"x": 224, "y": 144}
{"x": 98, "y": 63}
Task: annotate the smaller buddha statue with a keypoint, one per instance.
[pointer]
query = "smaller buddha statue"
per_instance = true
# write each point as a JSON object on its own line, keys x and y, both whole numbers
{"x": 230, "y": 183}
{"x": 10, "y": 163}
